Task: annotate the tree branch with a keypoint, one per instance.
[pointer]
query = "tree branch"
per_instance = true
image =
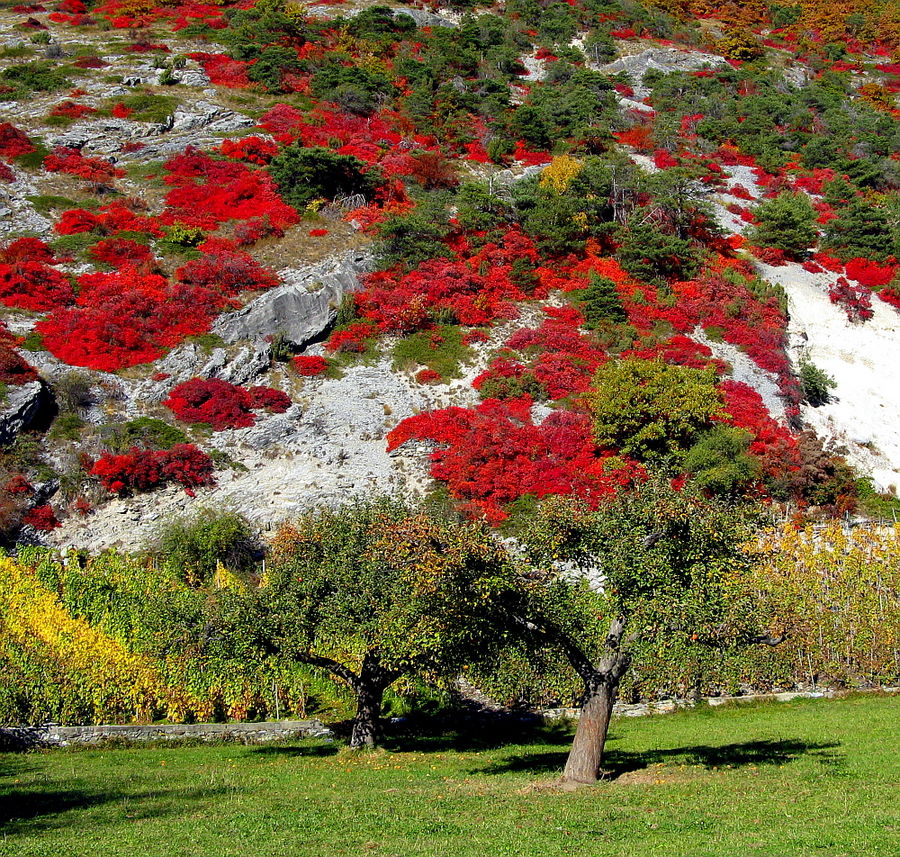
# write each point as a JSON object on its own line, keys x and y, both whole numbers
{"x": 332, "y": 666}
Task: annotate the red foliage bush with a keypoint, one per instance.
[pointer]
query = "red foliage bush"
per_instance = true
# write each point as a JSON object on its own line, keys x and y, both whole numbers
{"x": 856, "y": 301}
{"x": 26, "y": 250}
{"x": 120, "y": 111}
{"x": 494, "y": 454}
{"x": 428, "y": 376}
{"x": 228, "y": 272}
{"x": 309, "y": 365}
{"x": 125, "y": 318}
{"x": 223, "y": 70}
{"x": 19, "y": 484}
{"x": 41, "y": 518}
{"x": 107, "y": 220}
{"x": 208, "y": 192}
{"x": 13, "y": 142}
{"x": 90, "y": 62}
{"x": 34, "y": 286}
{"x": 871, "y": 274}
{"x": 222, "y": 405}
{"x": 890, "y": 296}
{"x": 772, "y": 443}
{"x": 6, "y": 174}
{"x": 14, "y": 369}
{"x": 144, "y": 469}
{"x": 123, "y": 253}
{"x": 71, "y": 161}
{"x": 270, "y": 399}
{"x": 72, "y": 110}
{"x": 477, "y": 287}
{"x": 254, "y": 150}
{"x": 663, "y": 160}
{"x": 354, "y": 338}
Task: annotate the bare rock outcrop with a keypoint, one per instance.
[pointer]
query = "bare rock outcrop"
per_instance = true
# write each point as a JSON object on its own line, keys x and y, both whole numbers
{"x": 303, "y": 307}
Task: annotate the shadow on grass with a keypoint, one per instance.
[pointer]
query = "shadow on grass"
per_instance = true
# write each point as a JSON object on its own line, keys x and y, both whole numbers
{"x": 311, "y": 751}
{"x": 619, "y": 762}
{"x": 24, "y": 809}
{"x": 470, "y": 732}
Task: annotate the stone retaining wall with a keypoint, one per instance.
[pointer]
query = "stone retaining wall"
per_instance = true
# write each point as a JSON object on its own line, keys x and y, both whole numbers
{"x": 24, "y": 737}
{"x": 667, "y": 706}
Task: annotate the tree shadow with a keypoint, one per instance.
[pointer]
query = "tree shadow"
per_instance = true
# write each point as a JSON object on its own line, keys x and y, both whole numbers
{"x": 473, "y": 731}
{"x": 310, "y": 751}
{"x": 22, "y": 809}
{"x": 619, "y": 762}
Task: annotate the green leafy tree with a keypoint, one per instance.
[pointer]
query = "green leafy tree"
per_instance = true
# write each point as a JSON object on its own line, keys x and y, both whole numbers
{"x": 649, "y": 254}
{"x": 720, "y": 463}
{"x": 373, "y": 592}
{"x": 413, "y": 238}
{"x": 862, "y": 228}
{"x": 304, "y": 174}
{"x": 602, "y": 302}
{"x": 786, "y": 223}
{"x": 195, "y": 545}
{"x": 651, "y": 410}
{"x": 655, "y": 567}
{"x": 815, "y": 383}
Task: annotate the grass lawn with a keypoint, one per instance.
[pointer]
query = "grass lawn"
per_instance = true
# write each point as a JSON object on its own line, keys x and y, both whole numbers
{"x": 808, "y": 777}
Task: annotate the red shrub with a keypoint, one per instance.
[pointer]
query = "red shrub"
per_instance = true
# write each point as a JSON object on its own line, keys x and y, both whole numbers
{"x": 477, "y": 287}
{"x": 120, "y": 111}
{"x": 71, "y": 161}
{"x": 222, "y": 405}
{"x": 14, "y": 369}
{"x": 144, "y": 469}
{"x": 19, "y": 484}
{"x": 107, "y": 220}
{"x": 228, "y": 272}
{"x": 856, "y": 301}
{"x": 494, "y": 454}
{"x": 13, "y": 142}
{"x": 208, "y": 192}
{"x": 871, "y": 274}
{"x": 223, "y": 70}
{"x": 41, "y": 518}
{"x": 890, "y": 296}
{"x": 26, "y": 250}
{"x": 270, "y": 399}
{"x": 123, "y": 253}
{"x": 6, "y": 173}
{"x": 90, "y": 62}
{"x": 72, "y": 110}
{"x": 254, "y": 150}
{"x": 428, "y": 376}
{"x": 125, "y": 318}
{"x": 187, "y": 465}
{"x": 34, "y": 286}
{"x": 354, "y": 338}
{"x": 308, "y": 366}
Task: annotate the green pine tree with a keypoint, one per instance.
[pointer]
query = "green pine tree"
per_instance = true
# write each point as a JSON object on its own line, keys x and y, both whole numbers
{"x": 602, "y": 302}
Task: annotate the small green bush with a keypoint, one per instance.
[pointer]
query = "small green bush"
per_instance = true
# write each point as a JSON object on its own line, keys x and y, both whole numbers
{"x": 34, "y": 77}
{"x": 815, "y": 383}
{"x": 195, "y": 545}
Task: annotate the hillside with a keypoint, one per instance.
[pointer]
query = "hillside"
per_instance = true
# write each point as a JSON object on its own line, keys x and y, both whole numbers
{"x": 269, "y": 256}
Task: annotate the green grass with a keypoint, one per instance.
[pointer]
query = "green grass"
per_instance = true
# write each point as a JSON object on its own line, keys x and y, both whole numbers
{"x": 801, "y": 778}
{"x": 441, "y": 350}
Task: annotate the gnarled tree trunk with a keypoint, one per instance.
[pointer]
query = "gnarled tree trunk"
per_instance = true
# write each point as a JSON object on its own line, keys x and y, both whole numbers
{"x": 369, "y": 686}
{"x": 601, "y": 686}
{"x": 586, "y": 755}
{"x": 367, "y": 724}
